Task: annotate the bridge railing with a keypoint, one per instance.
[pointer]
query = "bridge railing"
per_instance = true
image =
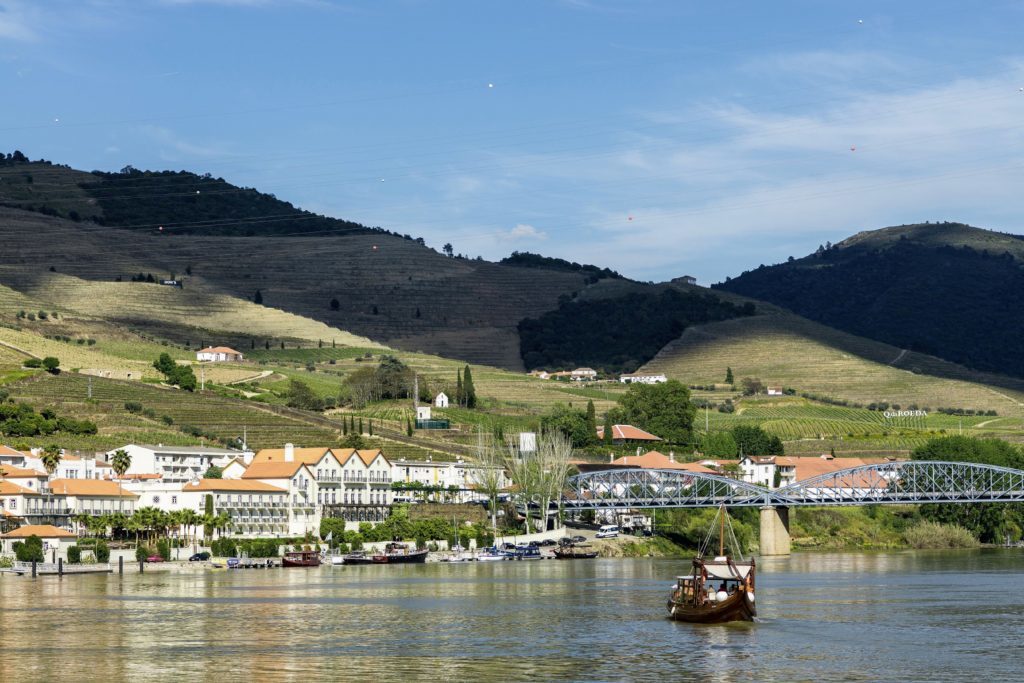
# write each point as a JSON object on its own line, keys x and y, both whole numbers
{"x": 903, "y": 482}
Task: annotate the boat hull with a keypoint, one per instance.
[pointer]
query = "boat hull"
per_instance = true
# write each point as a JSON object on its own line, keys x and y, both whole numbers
{"x": 737, "y": 607}
{"x": 414, "y": 557}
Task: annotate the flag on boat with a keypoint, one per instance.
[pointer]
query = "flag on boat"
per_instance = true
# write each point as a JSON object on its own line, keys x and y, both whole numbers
{"x": 330, "y": 536}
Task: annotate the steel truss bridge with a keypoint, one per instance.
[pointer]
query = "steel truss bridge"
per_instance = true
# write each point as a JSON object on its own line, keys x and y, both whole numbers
{"x": 889, "y": 483}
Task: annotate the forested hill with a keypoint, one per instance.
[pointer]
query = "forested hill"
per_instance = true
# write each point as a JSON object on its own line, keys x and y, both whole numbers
{"x": 950, "y": 290}
{"x": 177, "y": 201}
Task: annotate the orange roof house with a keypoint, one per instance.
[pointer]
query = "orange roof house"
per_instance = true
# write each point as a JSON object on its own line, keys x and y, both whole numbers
{"x": 89, "y": 487}
{"x": 40, "y": 530}
{"x": 625, "y": 433}
{"x": 232, "y": 485}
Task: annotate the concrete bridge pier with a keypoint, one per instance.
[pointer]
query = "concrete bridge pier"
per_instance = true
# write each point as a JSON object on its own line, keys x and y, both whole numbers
{"x": 775, "y": 530}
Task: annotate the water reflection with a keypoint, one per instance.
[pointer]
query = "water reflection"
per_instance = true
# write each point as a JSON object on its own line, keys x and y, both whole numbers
{"x": 845, "y": 616}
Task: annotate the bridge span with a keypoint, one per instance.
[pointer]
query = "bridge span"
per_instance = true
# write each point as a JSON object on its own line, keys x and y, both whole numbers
{"x": 888, "y": 483}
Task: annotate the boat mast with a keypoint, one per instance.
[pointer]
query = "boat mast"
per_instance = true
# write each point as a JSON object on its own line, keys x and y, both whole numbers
{"x": 721, "y": 531}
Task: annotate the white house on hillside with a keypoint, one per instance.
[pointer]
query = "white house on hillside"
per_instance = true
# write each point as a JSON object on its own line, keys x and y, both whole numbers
{"x": 218, "y": 353}
{"x": 441, "y": 400}
{"x": 642, "y": 379}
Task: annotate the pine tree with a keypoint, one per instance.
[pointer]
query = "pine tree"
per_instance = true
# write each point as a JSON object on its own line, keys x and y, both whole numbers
{"x": 468, "y": 389}
{"x": 728, "y": 376}
{"x": 608, "y": 429}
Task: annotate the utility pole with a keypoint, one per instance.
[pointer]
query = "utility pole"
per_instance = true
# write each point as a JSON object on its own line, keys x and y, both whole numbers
{"x": 202, "y": 379}
{"x": 90, "y": 387}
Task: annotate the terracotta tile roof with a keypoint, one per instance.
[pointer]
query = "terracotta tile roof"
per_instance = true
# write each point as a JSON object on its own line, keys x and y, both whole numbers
{"x": 272, "y": 470}
{"x": 40, "y": 530}
{"x": 9, "y": 488}
{"x": 367, "y": 455}
{"x": 628, "y": 433}
{"x": 218, "y": 349}
{"x": 133, "y": 477}
{"x": 653, "y": 460}
{"x": 11, "y": 472}
{"x": 309, "y": 456}
{"x": 232, "y": 485}
{"x": 809, "y": 466}
{"x": 89, "y": 487}
{"x": 7, "y": 450}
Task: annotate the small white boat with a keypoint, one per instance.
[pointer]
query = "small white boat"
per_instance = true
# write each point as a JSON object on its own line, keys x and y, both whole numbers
{"x": 491, "y": 555}
{"x": 337, "y": 560}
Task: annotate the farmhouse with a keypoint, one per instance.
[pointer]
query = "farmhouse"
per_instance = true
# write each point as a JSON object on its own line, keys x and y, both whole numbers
{"x": 775, "y": 391}
{"x": 218, "y": 353}
{"x": 583, "y": 375}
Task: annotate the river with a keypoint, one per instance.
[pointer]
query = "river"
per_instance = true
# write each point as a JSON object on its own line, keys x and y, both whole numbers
{"x": 900, "y": 616}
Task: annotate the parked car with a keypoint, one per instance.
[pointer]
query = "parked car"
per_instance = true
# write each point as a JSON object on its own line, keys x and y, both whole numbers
{"x": 608, "y": 531}
{"x": 154, "y": 558}
{"x": 200, "y": 557}
{"x": 577, "y": 539}
{"x": 548, "y": 542}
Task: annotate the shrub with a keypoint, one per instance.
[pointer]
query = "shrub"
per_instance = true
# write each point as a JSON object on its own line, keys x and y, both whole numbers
{"x": 142, "y": 552}
{"x": 29, "y": 550}
{"x": 102, "y": 551}
{"x": 163, "y": 548}
{"x": 74, "y": 555}
{"x": 936, "y": 535}
{"x": 33, "y": 363}
{"x": 133, "y": 406}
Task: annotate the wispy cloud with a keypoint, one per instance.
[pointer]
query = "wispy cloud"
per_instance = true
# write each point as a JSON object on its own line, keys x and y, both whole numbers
{"x": 523, "y": 233}
{"x": 16, "y": 21}
{"x": 173, "y": 147}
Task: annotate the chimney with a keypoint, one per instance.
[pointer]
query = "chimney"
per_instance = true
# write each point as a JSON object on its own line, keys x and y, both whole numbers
{"x": 289, "y": 452}
{"x": 611, "y": 456}
{"x": 671, "y": 456}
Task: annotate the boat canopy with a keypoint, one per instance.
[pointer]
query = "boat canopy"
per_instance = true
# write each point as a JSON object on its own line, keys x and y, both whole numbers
{"x": 726, "y": 572}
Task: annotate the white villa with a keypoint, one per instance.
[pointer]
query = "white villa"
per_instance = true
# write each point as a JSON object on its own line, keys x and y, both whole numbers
{"x": 441, "y": 400}
{"x": 218, "y": 354}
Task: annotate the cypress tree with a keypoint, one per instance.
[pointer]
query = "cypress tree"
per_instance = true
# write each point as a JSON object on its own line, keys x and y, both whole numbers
{"x": 728, "y": 376}
{"x": 408, "y": 427}
{"x": 360, "y": 425}
{"x": 608, "y": 429}
{"x": 591, "y": 422}
{"x": 344, "y": 427}
{"x": 371, "y": 427}
{"x": 468, "y": 389}
{"x": 458, "y": 387}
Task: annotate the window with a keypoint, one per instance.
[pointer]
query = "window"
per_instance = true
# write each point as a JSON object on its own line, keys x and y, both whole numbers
{"x": 156, "y": 500}
{"x": 14, "y": 504}
{"x": 174, "y": 500}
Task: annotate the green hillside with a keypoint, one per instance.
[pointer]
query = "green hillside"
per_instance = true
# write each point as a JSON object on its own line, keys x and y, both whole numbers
{"x": 949, "y": 290}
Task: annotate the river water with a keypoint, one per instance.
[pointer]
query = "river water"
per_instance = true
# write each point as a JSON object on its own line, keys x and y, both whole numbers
{"x": 905, "y": 616}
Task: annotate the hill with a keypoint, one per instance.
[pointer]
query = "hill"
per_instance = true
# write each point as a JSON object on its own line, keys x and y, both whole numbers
{"x": 782, "y": 349}
{"x": 947, "y": 290}
{"x": 137, "y": 228}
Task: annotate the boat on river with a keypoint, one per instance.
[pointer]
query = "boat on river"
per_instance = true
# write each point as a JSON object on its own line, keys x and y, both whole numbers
{"x": 697, "y": 599}
{"x": 357, "y": 557}
{"x": 400, "y": 553}
{"x": 575, "y": 551}
{"x": 301, "y": 558}
{"x": 491, "y": 554}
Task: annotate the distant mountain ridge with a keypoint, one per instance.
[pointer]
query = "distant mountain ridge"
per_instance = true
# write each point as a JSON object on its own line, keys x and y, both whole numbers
{"x": 950, "y": 290}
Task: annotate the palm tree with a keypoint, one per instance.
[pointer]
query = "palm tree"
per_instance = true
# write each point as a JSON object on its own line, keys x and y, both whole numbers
{"x": 51, "y": 458}
{"x": 221, "y": 522}
{"x": 120, "y": 462}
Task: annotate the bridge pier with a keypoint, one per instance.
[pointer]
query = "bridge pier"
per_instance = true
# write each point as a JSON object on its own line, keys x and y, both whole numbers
{"x": 775, "y": 530}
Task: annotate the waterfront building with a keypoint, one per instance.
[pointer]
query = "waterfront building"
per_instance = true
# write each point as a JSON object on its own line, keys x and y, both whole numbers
{"x": 297, "y": 480}
{"x": 464, "y": 477}
{"x": 256, "y": 509}
{"x": 56, "y": 541}
{"x": 175, "y": 463}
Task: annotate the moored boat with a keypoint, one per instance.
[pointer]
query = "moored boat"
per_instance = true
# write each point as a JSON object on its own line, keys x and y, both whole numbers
{"x": 695, "y": 598}
{"x": 575, "y": 551}
{"x": 357, "y": 557}
{"x": 400, "y": 553}
{"x": 491, "y": 554}
{"x": 301, "y": 558}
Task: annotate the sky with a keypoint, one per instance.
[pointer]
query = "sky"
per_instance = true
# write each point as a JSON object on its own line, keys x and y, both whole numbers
{"x": 657, "y": 138}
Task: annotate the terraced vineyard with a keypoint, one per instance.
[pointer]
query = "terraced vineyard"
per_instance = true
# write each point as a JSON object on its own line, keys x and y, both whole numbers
{"x": 222, "y": 417}
{"x": 790, "y": 351}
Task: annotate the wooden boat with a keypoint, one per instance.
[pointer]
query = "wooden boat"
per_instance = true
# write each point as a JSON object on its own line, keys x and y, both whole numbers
{"x": 697, "y": 599}
{"x": 575, "y": 551}
{"x": 301, "y": 558}
{"x": 399, "y": 553}
{"x": 357, "y": 557}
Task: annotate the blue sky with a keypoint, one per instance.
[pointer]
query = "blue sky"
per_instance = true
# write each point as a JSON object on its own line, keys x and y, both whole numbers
{"x": 656, "y": 138}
